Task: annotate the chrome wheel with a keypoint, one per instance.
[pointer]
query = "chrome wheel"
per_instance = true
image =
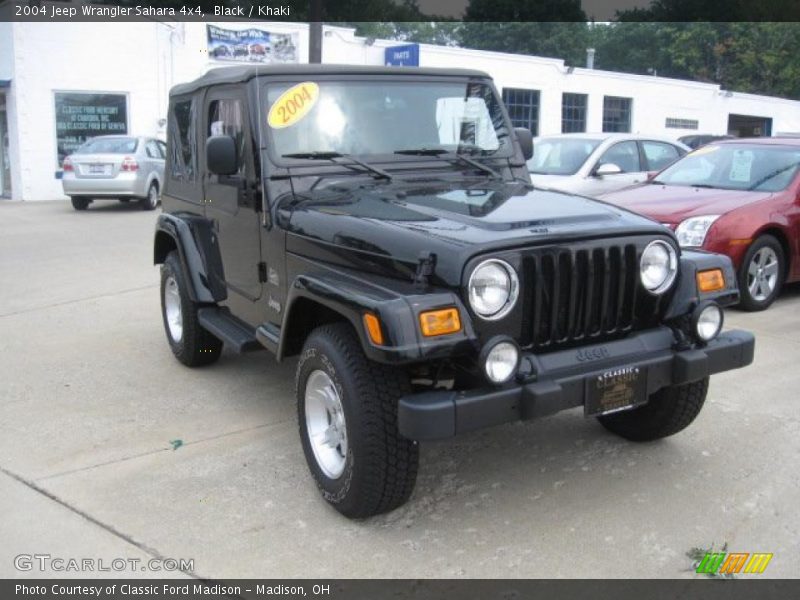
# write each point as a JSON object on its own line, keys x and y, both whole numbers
{"x": 762, "y": 274}
{"x": 172, "y": 309}
{"x": 325, "y": 424}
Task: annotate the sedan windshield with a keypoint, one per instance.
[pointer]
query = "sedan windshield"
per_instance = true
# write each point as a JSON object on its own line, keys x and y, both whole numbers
{"x": 560, "y": 156}
{"x": 735, "y": 167}
{"x": 108, "y": 145}
{"x": 368, "y": 118}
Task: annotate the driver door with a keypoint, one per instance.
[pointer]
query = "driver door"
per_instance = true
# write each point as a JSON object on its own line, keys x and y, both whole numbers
{"x": 229, "y": 201}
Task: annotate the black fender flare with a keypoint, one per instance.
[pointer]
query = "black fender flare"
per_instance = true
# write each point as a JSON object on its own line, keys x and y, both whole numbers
{"x": 351, "y": 297}
{"x": 196, "y": 242}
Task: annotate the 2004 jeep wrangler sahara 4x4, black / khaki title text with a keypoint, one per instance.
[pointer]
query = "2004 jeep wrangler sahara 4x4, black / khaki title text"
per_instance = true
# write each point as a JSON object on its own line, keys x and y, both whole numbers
{"x": 380, "y": 224}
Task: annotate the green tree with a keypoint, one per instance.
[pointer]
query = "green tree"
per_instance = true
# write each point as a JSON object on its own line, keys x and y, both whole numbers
{"x": 552, "y": 39}
{"x": 715, "y": 11}
{"x": 443, "y": 33}
{"x": 524, "y": 10}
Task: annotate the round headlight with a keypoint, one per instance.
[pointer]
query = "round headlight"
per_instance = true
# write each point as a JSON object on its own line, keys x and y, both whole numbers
{"x": 659, "y": 266}
{"x": 500, "y": 361}
{"x": 708, "y": 322}
{"x": 493, "y": 289}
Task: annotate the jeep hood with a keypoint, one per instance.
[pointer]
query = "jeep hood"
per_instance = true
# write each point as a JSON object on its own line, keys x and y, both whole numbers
{"x": 391, "y": 223}
{"x": 674, "y": 203}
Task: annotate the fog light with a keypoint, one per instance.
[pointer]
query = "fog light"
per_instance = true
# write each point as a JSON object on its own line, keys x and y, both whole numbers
{"x": 500, "y": 359}
{"x": 708, "y": 321}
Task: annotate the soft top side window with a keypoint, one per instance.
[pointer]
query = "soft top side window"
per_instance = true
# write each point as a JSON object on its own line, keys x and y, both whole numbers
{"x": 184, "y": 147}
{"x": 225, "y": 118}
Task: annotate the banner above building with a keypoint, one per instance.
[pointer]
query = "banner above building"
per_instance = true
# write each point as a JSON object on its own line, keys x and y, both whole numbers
{"x": 251, "y": 45}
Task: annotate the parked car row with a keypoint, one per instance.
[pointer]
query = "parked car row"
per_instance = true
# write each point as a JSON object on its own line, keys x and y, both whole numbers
{"x": 739, "y": 197}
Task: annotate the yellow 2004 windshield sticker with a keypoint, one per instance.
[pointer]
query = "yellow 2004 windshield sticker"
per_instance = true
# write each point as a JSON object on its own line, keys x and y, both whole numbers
{"x": 293, "y": 104}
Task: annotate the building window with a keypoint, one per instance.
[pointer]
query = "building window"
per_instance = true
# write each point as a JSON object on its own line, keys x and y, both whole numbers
{"x": 617, "y": 114}
{"x": 673, "y": 123}
{"x": 523, "y": 108}
{"x": 81, "y": 116}
{"x": 573, "y": 113}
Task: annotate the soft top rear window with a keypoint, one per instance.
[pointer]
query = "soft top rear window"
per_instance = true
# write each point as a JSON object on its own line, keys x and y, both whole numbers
{"x": 109, "y": 145}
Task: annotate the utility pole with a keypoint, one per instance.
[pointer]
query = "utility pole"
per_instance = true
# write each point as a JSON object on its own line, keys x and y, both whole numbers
{"x": 315, "y": 31}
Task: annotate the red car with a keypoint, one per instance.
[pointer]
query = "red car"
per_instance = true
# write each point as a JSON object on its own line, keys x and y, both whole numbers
{"x": 736, "y": 197}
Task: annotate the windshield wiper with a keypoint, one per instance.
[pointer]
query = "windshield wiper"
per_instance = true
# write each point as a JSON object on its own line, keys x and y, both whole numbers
{"x": 439, "y": 152}
{"x": 332, "y": 156}
{"x": 769, "y": 176}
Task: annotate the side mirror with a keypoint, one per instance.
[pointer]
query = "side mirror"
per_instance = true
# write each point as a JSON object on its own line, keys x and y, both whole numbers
{"x": 607, "y": 169}
{"x": 221, "y": 156}
{"x": 525, "y": 139}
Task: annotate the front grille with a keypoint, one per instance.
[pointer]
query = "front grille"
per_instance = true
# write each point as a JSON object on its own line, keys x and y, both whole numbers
{"x": 583, "y": 294}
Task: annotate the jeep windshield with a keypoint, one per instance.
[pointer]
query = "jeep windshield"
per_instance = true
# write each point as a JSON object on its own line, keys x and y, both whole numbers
{"x": 377, "y": 119}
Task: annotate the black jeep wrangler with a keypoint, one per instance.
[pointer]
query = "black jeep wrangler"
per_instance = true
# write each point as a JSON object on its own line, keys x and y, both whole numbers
{"x": 380, "y": 224}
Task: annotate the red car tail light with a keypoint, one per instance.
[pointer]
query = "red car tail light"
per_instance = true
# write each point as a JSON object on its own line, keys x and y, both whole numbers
{"x": 129, "y": 164}
{"x": 67, "y": 165}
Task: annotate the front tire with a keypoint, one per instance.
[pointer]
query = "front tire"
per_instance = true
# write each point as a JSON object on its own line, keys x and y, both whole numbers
{"x": 669, "y": 411}
{"x": 761, "y": 274}
{"x": 190, "y": 343}
{"x": 80, "y": 202}
{"x": 347, "y": 412}
{"x": 150, "y": 201}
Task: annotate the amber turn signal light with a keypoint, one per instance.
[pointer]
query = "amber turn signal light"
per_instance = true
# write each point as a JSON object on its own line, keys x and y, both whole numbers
{"x": 373, "y": 327}
{"x": 710, "y": 281}
{"x": 439, "y": 322}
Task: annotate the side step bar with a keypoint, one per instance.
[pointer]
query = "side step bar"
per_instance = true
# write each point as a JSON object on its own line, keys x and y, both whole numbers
{"x": 237, "y": 335}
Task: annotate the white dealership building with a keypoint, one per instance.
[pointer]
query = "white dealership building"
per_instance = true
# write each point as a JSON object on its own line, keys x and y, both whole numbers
{"x": 63, "y": 82}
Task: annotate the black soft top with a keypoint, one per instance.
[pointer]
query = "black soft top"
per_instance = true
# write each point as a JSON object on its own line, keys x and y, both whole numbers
{"x": 244, "y": 73}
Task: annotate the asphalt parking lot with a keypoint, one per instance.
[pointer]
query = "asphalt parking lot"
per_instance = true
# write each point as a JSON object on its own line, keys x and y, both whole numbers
{"x": 93, "y": 404}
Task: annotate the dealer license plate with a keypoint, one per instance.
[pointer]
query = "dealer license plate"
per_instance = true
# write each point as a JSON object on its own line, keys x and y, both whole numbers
{"x": 99, "y": 169}
{"x": 614, "y": 390}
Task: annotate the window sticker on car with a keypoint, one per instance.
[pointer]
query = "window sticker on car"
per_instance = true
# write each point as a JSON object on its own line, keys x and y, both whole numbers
{"x": 741, "y": 165}
{"x": 705, "y": 150}
{"x": 293, "y": 104}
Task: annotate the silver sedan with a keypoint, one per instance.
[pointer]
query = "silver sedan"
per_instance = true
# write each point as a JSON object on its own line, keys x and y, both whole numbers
{"x": 115, "y": 167}
{"x": 597, "y": 163}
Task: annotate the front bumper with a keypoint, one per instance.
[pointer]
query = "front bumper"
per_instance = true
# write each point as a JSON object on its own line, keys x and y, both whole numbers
{"x": 560, "y": 382}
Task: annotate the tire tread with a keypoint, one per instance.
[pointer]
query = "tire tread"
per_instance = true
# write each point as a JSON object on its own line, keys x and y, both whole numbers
{"x": 390, "y": 462}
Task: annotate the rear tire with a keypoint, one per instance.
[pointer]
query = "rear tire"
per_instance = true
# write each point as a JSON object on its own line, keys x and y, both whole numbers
{"x": 190, "y": 343}
{"x": 669, "y": 411}
{"x": 150, "y": 201}
{"x": 761, "y": 274}
{"x": 347, "y": 411}
{"x": 80, "y": 202}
